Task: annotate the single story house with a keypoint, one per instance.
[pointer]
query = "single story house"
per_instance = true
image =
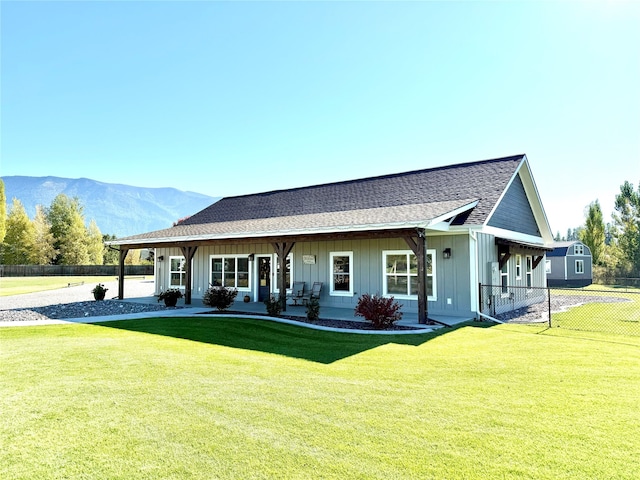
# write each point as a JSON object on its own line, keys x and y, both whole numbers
{"x": 569, "y": 264}
{"x": 429, "y": 238}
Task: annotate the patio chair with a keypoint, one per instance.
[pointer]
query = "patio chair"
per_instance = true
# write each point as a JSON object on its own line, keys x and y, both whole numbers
{"x": 297, "y": 293}
{"x": 314, "y": 293}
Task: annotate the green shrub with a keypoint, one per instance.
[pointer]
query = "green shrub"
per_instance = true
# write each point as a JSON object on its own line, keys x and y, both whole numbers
{"x": 380, "y": 311}
{"x": 313, "y": 309}
{"x": 274, "y": 305}
{"x": 219, "y": 297}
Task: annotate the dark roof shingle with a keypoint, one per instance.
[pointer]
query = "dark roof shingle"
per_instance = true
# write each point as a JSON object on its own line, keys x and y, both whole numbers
{"x": 484, "y": 180}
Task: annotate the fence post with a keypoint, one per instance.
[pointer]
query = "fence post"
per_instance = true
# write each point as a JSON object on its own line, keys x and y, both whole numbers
{"x": 549, "y": 304}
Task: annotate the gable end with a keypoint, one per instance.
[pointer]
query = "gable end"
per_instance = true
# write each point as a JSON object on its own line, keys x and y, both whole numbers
{"x": 514, "y": 211}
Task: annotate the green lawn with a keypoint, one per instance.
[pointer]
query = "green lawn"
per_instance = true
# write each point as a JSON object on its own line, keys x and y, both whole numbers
{"x": 236, "y": 398}
{"x": 621, "y": 318}
{"x": 19, "y": 285}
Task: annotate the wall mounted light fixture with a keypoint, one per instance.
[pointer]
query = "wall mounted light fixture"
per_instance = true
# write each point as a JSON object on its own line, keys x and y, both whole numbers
{"x": 446, "y": 253}
{"x": 161, "y": 258}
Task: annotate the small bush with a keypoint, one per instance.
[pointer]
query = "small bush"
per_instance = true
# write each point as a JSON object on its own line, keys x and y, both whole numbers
{"x": 380, "y": 311}
{"x": 274, "y": 305}
{"x": 313, "y": 309}
{"x": 219, "y": 297}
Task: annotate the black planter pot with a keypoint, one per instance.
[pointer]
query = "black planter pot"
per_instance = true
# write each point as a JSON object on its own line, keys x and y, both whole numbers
{"x": 170, "y": 302}
{"x": 99, "y": 296}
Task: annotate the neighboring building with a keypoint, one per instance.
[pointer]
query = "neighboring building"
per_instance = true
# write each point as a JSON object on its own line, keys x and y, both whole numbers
{"x": 427, "y": 237}
{"x": 569, "y": 264}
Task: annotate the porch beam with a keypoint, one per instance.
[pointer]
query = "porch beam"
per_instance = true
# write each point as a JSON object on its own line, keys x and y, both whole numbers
{"x": 188, "y": 251}
{"x": 282, "y": 249}
{"x": 366, "y": 235}
{"x": 419, "y": 247}
{"x": 123, "y": 255}
{"x": 504, "y": 258}
{"x": 536, "y": 261}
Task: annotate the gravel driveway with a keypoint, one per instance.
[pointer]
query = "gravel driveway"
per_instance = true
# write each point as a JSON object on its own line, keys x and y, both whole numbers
{"x": 77, "y": 302}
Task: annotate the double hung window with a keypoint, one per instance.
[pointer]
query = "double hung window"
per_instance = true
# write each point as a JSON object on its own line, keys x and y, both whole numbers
{"x": 529, "y": 272}
{"x": 504, "y": 278}
{"x": 341, "y": 264}
{"x": 176, "y": 272}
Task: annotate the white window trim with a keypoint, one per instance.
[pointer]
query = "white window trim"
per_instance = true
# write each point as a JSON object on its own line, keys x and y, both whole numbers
{"x": 503, "y": 293}
{"x": 276, "y": 287}
{"x": 579, "y": 262}
{"x": 518, "y": 266}
{"x": 385, "y": 293}
{"x": 250, "y": 273}
{"x": 183, "y": 276}
{"x": 529, "y": 272}
{"x": 340, "y": 293}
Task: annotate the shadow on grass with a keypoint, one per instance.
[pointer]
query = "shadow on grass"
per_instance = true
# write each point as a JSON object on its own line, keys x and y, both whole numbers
{"x": 272, "y": 337}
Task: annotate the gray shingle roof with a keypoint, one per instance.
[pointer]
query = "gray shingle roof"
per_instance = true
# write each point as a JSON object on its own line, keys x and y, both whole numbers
{"x": 389, "y": 199}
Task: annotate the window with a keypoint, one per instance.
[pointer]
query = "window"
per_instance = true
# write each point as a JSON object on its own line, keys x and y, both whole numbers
{"x": 580, "y": 266}
{"x": 401, "y": 274}
{"x": 547, "y": 266}
{"x": 518, "y": 267}
{"x": 529, "y": 272}
{"x": 176, "y": 272}
{"x": 341, "y": 278}
{"x": 504, "y": 278}
{"x": 288, "y": 278}
{"x": 578, "y": 249}
{"x": 230, "y": 271}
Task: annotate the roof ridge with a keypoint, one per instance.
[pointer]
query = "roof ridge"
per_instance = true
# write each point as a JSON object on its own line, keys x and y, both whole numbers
{"x": 380, "y": 177}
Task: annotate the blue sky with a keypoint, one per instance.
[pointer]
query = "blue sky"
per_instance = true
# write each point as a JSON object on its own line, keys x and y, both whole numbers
{"x": 229, "y": 98}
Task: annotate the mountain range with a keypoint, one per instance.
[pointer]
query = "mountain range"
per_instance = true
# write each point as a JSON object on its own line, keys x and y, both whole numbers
{"x": 119, "y": 210}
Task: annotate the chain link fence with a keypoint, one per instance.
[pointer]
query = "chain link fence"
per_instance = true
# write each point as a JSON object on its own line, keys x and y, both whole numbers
{"x": 594, "y": 309}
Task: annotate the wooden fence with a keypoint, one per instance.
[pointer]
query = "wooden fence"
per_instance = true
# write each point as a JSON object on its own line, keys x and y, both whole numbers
{"x": 72, "y": 270}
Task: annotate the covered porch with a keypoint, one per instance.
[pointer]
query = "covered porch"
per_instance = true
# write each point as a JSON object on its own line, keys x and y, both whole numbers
{"x": 409, "y": 319}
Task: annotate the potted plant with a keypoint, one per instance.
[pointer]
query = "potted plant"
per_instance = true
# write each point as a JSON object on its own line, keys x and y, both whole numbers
{"x": 99, "y": 292}
{"x": 170, "y": 296}
{"x": 247, "y": 299}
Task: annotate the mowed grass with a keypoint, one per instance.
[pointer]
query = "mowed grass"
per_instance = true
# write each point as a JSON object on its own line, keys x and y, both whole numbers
{"x": 237, "y": 398}
{"x": 620, "y": 318}
{"x": 19, "y": 285}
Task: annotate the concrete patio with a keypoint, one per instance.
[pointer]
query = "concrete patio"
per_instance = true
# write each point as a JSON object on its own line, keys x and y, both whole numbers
{"x": 329, "y": 313}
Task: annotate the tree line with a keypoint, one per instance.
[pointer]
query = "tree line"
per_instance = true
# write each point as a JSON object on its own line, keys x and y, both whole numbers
{"x": 615, "y": 246}
{"x": 56, "y": 235}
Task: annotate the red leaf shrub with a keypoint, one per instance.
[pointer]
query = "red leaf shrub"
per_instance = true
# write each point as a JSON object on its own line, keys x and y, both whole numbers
{"x": 380, "y": 311}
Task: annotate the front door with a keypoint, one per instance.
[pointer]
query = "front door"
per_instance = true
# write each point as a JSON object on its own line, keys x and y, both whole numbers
{"x": 264, "y": 278}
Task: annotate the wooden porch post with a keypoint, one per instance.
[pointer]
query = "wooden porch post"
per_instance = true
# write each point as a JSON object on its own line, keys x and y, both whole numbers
{"x": 188, "y": 253}
{"x": 419, "y": 248}
{"x": 282, "y": 250}
{"x": 123, "y": 254}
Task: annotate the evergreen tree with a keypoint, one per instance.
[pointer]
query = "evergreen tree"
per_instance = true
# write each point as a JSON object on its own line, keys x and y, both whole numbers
{"x": 43, "y": 250}
{"x": 110, "y": 256}
{"x": 95, "y": 247}
{"x": 627, "y": 219}
{"x": 593, "y": 233}
{"x": 3, "y": 212}
{"x": 20, "y": 237}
